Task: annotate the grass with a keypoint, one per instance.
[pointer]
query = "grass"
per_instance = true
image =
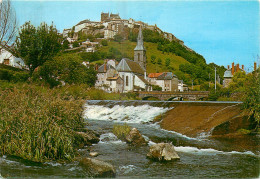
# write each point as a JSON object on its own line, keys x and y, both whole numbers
{"x": 127, "y": 48}
{"x": 121, "y": 131}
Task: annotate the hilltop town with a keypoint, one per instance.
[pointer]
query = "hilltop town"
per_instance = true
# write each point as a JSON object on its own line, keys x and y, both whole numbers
{"x": 111, "y": 25}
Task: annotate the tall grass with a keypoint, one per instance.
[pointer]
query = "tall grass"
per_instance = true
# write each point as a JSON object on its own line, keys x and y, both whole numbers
{"x": 38, "y": 124}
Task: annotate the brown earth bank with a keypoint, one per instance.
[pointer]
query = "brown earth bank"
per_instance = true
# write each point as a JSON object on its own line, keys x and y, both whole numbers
{"x": 195, "y": 118}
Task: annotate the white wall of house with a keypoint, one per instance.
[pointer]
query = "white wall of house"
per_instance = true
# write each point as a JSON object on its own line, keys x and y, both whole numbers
{"x": 139, "y": 82}
{"x": 6, "y": 56}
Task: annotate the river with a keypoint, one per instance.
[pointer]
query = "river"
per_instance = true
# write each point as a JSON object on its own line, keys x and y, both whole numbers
{"x": 201, "y": 157}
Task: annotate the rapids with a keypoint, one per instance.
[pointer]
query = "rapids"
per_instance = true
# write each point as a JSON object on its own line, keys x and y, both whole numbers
{"x": 201, "y": 157}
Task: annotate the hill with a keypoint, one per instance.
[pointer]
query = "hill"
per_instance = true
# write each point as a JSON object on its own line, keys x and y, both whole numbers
{"x": 126, "y": 49}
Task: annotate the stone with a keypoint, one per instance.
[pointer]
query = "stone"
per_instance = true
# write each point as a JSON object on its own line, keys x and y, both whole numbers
{"x": 97, "y": 168}
{"x": 163, "y": 152}
{"x": 93, "y": 154}
{"x": 85, "y": 138}
{"x": 135, "y": 138}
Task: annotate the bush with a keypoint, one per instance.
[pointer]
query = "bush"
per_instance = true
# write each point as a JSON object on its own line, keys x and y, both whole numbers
{"x": 14, "y": 76}
{"x": 38, "y": 125}
{"x": 121, "y": 131}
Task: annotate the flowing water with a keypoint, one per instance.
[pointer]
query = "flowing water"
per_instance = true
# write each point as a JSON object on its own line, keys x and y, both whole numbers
{"x": 201, "y": 157}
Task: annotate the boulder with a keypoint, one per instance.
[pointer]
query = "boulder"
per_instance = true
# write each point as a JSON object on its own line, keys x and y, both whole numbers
{"x": 93, "y": 154}
{"x": 85, "y": 138}
{"x": 135, "y": 138}
{"x": 162, "y": 152}
{"x": 97, "y": 168}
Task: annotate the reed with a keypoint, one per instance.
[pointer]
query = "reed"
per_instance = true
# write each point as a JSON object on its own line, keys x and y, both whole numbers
{"x": 38, "y": 124}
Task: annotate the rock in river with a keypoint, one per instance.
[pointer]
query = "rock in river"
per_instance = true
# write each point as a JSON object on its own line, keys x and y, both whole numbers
{"x": 97, "y": 168}
{"x": 163, "y": 152}
{"x": 135, "y": 138}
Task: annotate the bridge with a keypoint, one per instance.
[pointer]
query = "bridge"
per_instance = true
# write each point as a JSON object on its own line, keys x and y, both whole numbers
{"x": 189, "y": 95}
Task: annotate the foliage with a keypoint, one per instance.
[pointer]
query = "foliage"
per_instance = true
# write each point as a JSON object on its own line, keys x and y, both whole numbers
{"x": 67, "y": 68}
{"x": 153, "y": 58}
{"x": 13, "y": 74}
{"x": 38, "y": 125}
{"x": 104, "y": 42}
{"x": 156, "y": 88}
{"x": 251, "y": 100}
{"x": 75, "y": 44}
{"x": 121, "y": 131}
{"x": 65, "y": 44}
{"x": 159, "y": 61}
{"x": 118, "y": 38}
{"x": 37, "y": 45}
{"x": 167, "y": 62}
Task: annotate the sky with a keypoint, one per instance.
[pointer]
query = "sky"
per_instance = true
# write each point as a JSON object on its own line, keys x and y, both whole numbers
{"x": 222, "y": 31}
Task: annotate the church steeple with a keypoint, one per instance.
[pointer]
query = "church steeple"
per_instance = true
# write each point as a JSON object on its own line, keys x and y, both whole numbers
{"x": 139, "y": 51}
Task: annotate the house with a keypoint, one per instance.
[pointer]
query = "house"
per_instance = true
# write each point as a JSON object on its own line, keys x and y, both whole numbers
{"x": 168, "y": 81}
{"x": 152, "y": 78}
{"x": 228, "y": 74}
{"x": 7, "y": 58}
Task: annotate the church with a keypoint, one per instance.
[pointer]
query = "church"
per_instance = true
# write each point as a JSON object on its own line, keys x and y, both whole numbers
{"x": 132, "y": 72}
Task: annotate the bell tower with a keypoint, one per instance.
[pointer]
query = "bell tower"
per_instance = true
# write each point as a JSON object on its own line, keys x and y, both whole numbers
{"x": 139, "y": 51}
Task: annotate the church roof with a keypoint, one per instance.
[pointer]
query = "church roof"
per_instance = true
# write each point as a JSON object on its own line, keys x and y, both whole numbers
{"x": 102, "y": 70}
{"x": 140, "y": 43}
{"x": 127, "y": 65}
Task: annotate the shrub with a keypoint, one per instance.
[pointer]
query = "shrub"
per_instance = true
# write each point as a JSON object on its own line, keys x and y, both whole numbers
{"x": 121, "y": 131}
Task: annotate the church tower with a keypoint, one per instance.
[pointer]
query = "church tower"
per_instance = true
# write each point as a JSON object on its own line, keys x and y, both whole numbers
{"x": 139, "y": 51}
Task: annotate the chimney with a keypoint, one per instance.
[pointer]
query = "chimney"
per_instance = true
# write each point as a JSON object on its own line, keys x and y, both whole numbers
{"x": 237, "y": 68}
{"x": 233, "y": 68}
{"x": 105, "y": 66}
{"x": 243, "y": 67}
{"x": 228, "y": 67}
{"x": 254, "y": 66}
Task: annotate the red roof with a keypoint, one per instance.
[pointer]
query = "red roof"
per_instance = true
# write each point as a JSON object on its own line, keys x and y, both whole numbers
{"x": 154, "y": 75}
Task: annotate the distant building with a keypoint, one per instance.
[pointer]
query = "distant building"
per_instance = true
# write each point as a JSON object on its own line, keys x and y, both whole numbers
{"x": 228, "y": 74}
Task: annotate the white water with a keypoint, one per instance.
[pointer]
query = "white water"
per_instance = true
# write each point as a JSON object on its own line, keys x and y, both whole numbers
{"x": 120, "y": 113}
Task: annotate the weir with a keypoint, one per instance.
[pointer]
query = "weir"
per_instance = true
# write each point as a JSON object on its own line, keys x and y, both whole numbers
{"x": 191, "y": 118}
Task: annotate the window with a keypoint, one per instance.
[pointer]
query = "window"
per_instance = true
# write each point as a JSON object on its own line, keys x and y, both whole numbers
{"x": 138, "y": 57}
{"x": 126, "y": 81}
{"x": 6, "y": 61}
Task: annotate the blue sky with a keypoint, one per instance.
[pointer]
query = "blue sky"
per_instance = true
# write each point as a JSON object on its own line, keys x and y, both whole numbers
{"x": 221, "y": 31}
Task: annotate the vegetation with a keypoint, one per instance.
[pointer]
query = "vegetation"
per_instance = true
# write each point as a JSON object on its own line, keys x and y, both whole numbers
{"x": 121, "y": 131}
{"x": 13, "y": 74}
{"x": 37, "y": 45}
{"x": 37, "y": 124}
{"x": 67, "y": 68}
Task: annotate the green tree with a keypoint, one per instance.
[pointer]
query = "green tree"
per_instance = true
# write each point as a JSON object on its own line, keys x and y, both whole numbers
{"x": 67, "y": 68}
{"x": 153, "y": 58}
{"x": 167, "y": 62}
{"x": 104, "y": 42}
{"x": 75, "y": 44}
{"x": 159, "y": 61}
{"x": 118, "y": 38}
{"x": 65, "y": 44}
{"x": 36, "y": 46}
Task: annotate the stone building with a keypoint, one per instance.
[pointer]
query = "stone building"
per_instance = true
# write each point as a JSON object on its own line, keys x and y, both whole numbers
{"x": 166, "y": 80}
{"x": 139, "y": 51}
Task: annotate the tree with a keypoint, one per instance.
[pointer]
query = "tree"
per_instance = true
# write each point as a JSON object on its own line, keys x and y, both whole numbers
{"x": 104, "y": 42}
{"x": 75, "y": 44}
{"x": 67, "y": 68}
{"x": 36, "y": 46}
{"x": 118, "y": 38}
{"x": 153, "y": 58}
{"x": 167, "y": 62}
{"x": 159, "y": 61}
{"x": 7, "y": 23}
{"x": 65, "y": 44}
